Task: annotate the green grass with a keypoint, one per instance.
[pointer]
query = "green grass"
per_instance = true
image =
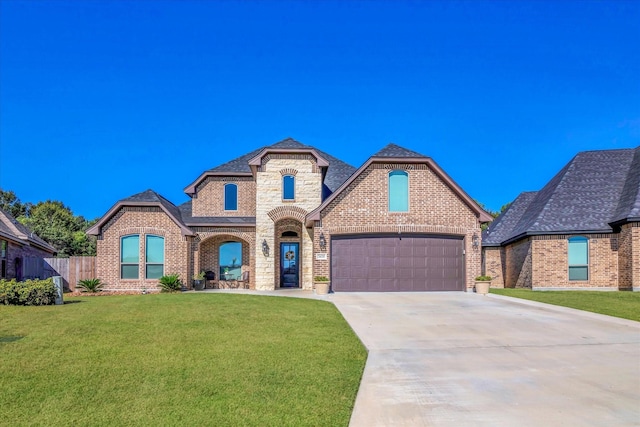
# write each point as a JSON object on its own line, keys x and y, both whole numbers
{"x": 178, "y": 359}
{"x": 619, "y": 304}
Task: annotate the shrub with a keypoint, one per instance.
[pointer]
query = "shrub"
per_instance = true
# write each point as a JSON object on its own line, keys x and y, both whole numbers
{"x": 321, "y": 279}
{"x": 483, "y": 278}
{"x": 29, "y": 292}
{"x": 90, "y": 285}
{"x": 170, "y": 283}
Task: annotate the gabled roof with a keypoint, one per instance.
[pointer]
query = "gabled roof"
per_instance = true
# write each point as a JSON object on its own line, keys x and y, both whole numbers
{"x": 396, "y": 154}
{"x": 12, "y": 229}
{"x": 337, "y": 170}
{"x": 214, "y": 221}
{"x": 593, "y": 191}
{"x": 145, "y": 198}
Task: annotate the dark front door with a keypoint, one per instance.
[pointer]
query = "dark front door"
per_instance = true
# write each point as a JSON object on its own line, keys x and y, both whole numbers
{"x": 289, "y": 265}
{"x": 397, "y": 263}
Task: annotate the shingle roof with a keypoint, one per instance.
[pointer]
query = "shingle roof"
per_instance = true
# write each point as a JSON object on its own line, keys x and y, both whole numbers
{"x": 337, "y": 173}
{"x": 593, "y": 190}
{"x": 393, "y": 150}
{"x": 189, "y": 220}
{"x": 11, "y": 228}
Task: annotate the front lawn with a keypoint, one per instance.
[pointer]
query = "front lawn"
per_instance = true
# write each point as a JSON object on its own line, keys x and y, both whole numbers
{"x": 618, "y": 304}
{"x": 178, "y": 359}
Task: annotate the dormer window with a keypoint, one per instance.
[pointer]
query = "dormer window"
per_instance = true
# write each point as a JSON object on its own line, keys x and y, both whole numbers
{"x": 230, "y": 197}
{"x": 288, "y": 187}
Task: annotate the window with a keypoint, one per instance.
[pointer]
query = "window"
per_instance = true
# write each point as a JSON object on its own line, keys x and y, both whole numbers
{"x": 398, "y": 191}
{"x": 578, "y": 258}
{"x": 230, "y": 260}
{"x": 288, "y": 187}
{"x": 129, "y": 256}
{"x": 230, "y": 197}
{"x": 3, "y": 259}
{"x": 154, "y": 257}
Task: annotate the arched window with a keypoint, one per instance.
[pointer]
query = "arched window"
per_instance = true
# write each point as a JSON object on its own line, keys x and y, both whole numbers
{"x": 129, "y": 256}
{"x": 288, "y": 187}
{"x": 578, "y": 258}
{"x": 230, "y": 197}
{"x": 154, "y": 257}
{"x": 398, "y": 191}
{"x": 230, "y": 260}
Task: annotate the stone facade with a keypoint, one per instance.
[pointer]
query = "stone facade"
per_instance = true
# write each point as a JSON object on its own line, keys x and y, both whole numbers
{"x": 141, "y": 221}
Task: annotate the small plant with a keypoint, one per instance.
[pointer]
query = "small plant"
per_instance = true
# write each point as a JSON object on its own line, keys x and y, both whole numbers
{"x": 199, "y": 276}
{"x": 321, "y": 279}
{"x": 483, "y": 279}
{"x": 90, "y": 285}
{"x": 170, "y": 283}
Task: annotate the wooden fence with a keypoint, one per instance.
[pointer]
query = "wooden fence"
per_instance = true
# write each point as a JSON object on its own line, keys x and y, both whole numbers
{"x": 71, "y": 269}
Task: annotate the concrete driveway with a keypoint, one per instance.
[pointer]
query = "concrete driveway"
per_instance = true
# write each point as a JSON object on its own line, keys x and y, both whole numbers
{"x": 459, "y": 359}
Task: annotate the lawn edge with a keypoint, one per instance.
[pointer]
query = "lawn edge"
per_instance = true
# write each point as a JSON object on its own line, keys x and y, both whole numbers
{"x": 568, "y": 310}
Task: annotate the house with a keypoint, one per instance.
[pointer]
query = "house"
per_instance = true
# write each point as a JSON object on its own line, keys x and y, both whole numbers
{"x": 581, "y": 231}
{"x": 288, "y": 212}
{"x": 21, "y": 251}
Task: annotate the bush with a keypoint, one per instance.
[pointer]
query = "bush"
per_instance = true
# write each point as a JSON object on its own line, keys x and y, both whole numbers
{"x": 170, "y": 283}
{"x": 483, "y": 278}
{"x": 29, "y": 292}
{"x": 90, "y": 285}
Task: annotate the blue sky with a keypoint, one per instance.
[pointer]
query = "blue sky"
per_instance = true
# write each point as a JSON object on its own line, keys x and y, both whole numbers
{"x": 100, "y": 100}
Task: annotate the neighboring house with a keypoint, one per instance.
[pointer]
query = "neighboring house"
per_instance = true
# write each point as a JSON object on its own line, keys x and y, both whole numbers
{"x": 21, "y": 251}
{"x": 288, "y": 212}
{"x": 582, "y": 230}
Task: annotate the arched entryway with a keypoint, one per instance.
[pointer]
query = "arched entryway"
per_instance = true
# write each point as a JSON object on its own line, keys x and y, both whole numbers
{"x": 288, "y": 259}
{"x": 227, "y": 256}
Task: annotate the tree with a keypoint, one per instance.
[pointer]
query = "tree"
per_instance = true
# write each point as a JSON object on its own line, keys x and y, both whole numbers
{"x": 9, "y": 202}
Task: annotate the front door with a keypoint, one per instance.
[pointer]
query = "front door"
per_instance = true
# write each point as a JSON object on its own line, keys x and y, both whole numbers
{"x": 289, "y": 265}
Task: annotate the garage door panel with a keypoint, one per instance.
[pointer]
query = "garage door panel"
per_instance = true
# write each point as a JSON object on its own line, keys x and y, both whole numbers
{"x": 391, "y": 263}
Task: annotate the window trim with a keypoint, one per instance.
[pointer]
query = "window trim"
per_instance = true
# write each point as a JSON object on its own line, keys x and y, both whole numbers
{"x": 129, "y": 263}
{"x": 229, "y": 184}
{"x": 293, "y": 189}
{"x": 406, "y": 174}
{"x": 146, "y": 256}
{"x": 569, "y": 265}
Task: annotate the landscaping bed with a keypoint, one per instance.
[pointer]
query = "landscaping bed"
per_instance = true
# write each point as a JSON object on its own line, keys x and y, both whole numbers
{"x": 178, "y": 359}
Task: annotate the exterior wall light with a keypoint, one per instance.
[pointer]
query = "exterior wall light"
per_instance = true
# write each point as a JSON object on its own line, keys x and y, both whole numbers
{"x": 323, "y": 241}
{"x": 475, "y": 241}
{"x": 265, "y": 247}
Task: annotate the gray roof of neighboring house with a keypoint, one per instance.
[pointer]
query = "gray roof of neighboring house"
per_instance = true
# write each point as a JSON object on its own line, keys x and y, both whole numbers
{"x": 203, "y": 221}
{"x": 337, "y": 172}
{"x": 393, "y": 150}
{"x": 594, "y": 190}
{"x": 12, "y": 229}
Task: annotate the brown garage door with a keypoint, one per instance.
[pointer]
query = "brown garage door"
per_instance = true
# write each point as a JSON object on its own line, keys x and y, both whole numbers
{"x": 397, "y": 263}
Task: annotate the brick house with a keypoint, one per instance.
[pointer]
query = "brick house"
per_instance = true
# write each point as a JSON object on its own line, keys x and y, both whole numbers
{"x": 21, "y": 251}
{"x": 581, "y": 231}
{"x": 285, "y": 213}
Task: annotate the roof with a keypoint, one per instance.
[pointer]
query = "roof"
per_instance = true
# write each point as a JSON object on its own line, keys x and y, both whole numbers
{"x": 592, "y": 193}
{"x": 337, "y": 170}
{"x": 395, "y": 153}
{"x": 12, "y": 229}
{"x": 213, "y": 221}
{"x": 145, "y": 198}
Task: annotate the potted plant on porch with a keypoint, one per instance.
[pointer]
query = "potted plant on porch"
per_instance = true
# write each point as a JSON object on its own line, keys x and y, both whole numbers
{"x": 483, "y": 283}
{"x": 198, "y": 281}
{"x": 322, "y": 285}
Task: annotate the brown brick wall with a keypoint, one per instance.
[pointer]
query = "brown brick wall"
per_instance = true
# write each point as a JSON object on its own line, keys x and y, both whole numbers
{"x": 142, "y": 221}
{"x": 629, "y": 257}
{"x": 14, "y": 251}
{"x": 551, "y": 265}
{"x": 433, "y": 208}
{"x": 209, "y": 200}
{"x": 518, "y": 265}
{"x": 493, "y": 265}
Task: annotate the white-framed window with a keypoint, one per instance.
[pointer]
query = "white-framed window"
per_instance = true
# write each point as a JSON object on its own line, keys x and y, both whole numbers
{"x": 398, "y": 191}
{"x": 129, "y": 256}
{"x": 230, "y": 197}
{"x": 578, "y": 255}
{"x": 154, "y": 257}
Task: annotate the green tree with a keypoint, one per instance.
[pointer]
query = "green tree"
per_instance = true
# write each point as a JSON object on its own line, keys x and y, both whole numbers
{"x": 9, "y": 202}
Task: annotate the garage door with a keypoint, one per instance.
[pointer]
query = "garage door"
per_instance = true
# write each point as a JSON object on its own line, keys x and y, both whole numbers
{"x": 397, "y": 263}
